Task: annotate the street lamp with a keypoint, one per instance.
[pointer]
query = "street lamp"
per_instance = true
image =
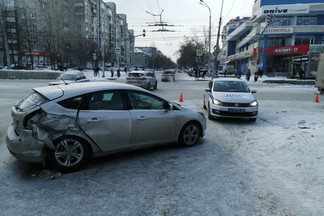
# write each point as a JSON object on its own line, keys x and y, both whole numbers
{"x": 209, "y": 35}
{"x": 217, "y": 42}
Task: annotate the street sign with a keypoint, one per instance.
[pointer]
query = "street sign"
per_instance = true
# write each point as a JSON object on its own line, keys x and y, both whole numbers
{"x": 94, "y": 56}
{"x": 117, "y": 50}
{"x": 199, "y": 52}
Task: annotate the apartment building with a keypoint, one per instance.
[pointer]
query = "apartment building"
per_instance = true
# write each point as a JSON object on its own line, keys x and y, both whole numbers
{"x": 79, "y": 33}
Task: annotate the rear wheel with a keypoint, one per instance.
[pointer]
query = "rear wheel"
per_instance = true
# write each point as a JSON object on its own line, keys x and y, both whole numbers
{"x": 70, "y": 154}
{"x": 155, "y": 86}
{"x": 189, "y": 134}
{"x": 148, "y": 86}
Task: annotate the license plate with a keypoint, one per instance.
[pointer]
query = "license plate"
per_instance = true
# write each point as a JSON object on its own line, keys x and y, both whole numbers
{"x": 236, "y": 110}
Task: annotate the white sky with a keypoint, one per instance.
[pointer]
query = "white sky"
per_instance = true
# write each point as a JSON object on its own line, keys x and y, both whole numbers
{"x": 186, "y": 15}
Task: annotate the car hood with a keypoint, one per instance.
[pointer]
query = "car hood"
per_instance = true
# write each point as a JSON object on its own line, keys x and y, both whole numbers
{"x": 236, "y": 97}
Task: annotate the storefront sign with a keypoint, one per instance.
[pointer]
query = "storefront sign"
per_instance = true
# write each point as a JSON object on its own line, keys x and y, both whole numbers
{"x": 285, "y": 9}
{"x": 247, "y": 54}
{"x": 288, "y": 50}
{"x": 278, "y": 31}
{"x": 33, "y": 53}
{"x": 316, "y": 48}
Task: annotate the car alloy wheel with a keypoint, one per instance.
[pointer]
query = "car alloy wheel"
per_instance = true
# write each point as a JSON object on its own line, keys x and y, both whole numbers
{"x": 189, "y": 134}
{"x": 70, "y": 154}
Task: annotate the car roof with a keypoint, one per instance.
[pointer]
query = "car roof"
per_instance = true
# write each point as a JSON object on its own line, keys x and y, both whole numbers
{"x": 74, "y": 89}
{"x": 228, "y": 79}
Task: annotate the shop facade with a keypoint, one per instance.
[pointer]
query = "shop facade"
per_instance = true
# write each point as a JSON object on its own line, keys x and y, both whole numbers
{"x": 277, "y": 35}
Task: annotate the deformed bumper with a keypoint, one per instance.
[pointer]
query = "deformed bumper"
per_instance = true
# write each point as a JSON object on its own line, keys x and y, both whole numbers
{"x": 25, "y": 147}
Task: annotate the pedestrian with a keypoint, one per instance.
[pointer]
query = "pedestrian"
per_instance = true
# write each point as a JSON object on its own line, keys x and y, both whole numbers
{"x": 260, "y": 73}
{"x": 118, "y": 72}
{"x": 256, "y": 76}
{"x": 238, "y": 72}
{"x": 301, "y": 73}
{"x": 248, "y": 75}
{"x": 196, "y": 72}
{"x": 112, "y": 72}
{"x": 96, "y": 71}
{"x": 125, "y": 70}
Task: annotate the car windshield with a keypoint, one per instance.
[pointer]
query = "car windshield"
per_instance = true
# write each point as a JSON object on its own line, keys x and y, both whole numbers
{"x": 67, "y": 77}
{"x": 230, "y": 86}
{"x": 32, "y": 100}
{"x": 135, "y": 74}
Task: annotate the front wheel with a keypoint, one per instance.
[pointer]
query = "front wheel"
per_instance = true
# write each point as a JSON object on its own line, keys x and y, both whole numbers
{"x": 189, "y": 134}
{"x": 155, "y": 86}
{"x": 210, "y": 117}
{"x": 70, "y": 154}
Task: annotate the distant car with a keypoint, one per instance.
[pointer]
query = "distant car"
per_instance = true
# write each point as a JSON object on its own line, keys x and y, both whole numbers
{"x": 66, "y": 125}
{"x": 168, "y": 75}
{"x": 70, "y": 77}
{"x": 144, "y": 79}
{"x": 41, "y": 67}
{"x": 230, "y": 98}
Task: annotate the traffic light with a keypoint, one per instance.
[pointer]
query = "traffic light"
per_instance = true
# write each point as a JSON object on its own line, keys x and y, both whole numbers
{"x": 144, "y": 33}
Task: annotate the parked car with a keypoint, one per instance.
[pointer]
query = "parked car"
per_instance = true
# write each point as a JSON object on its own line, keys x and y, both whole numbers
{"x": 168, "y": 75}
{"x": 230, "y": 98}
{"x": 65, "y": 125}
{"x": 70, "y": 77}
{"x": 144, "y": 79}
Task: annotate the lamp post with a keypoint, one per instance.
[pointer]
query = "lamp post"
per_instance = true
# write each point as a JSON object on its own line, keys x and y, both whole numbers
{"x": 209, "y": 34}
{"x": 217, "y": 42}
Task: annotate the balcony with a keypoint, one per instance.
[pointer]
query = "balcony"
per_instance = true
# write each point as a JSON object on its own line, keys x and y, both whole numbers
{"x": 239, "y": 31}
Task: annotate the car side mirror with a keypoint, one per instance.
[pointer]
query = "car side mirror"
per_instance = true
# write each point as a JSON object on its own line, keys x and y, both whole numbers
{"x": 168, "y": 106}
{"x": 207, "y": 89}
{"x": 254, "y": 91}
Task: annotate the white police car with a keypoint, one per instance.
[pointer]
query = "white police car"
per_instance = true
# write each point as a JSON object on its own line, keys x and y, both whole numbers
{"x": 230, "y": 98}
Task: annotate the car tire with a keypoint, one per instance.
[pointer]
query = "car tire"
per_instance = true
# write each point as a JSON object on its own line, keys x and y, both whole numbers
{"x": 148, "y": 86}
{"x": 204, "y": 106}
{"x": 70, "y": 154}
{"x": 190, "y": 134}
{"x": 155, "y": 86}
{"x": 252, "y": 119}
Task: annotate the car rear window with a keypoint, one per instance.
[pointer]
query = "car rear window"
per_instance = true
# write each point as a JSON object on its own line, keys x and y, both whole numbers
{"x": 31, "y": 101}
{"x": 135, "y": 74}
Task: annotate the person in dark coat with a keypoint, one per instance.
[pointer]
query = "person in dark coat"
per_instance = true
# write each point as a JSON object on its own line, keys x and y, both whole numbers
{"x": 248, "y": 75}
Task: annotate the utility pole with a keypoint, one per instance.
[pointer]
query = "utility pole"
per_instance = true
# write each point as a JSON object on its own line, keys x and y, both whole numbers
{"x": 209, "y": 34}
{"x": 4, "y": 32}
{"x": 217, "y": 43}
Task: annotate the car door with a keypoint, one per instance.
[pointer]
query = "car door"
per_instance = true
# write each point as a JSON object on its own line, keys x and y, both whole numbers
{"x": 104, "y": 119}
{"x": 152, "y": 122}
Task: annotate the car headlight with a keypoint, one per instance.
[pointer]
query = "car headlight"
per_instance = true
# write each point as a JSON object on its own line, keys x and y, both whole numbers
{"x": 254, "y": 103}
{"x": 217, "y": 102}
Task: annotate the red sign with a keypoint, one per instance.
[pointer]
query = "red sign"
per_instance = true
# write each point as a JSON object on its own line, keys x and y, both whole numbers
{"x": 34, "y": 53}
{"x": 288, "y": 50}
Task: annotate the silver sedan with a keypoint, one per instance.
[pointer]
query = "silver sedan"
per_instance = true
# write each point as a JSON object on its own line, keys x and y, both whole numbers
{"x": 66, "y": 125}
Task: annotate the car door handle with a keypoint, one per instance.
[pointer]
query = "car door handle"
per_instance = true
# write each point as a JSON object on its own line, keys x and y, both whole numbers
{"x": 93, "y": 120}
{"x": 141, "y": 118}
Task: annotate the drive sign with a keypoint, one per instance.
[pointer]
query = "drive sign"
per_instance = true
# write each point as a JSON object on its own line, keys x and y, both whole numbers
{"x": 117, "y": 50}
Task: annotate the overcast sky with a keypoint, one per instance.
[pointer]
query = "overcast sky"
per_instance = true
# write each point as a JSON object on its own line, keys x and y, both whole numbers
{"x": 187, "y": 16}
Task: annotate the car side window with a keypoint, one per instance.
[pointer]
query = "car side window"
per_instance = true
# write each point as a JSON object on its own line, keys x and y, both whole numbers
{"x": 110, "y": 100}
{"x": 140, "y": 100}
{"x": 71, "y": 103}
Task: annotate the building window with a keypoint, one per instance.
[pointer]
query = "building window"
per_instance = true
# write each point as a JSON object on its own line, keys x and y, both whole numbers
{"x": 33, "y": 15}
{"x": 278, "y": 42}
{"x": 32, "y": 4}
{"x": 282, "y": 21}
{"x": 306, "y": 20}
{"x": 304, "y": 40}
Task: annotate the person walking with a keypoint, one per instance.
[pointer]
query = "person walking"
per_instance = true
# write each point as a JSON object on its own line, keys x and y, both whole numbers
{"x": 111, "y": 72}
{"x": 256, "y": 76}
{"x": 118, "y": 72}
{"x": 248, "y": 75}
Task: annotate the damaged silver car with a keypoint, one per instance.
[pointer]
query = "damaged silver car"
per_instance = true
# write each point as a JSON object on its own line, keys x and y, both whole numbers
{"x": 66, "y": 125}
